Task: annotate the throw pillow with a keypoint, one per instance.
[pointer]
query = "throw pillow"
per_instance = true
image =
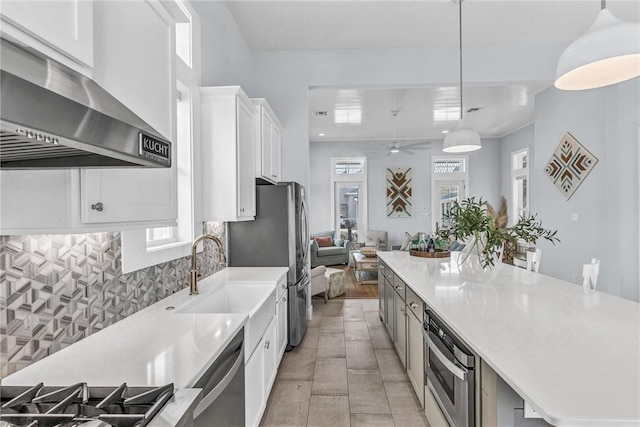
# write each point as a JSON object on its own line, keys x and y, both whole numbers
{"x": 338, "y": 242}
{"x": 371, "y": 242}
{"x": 324, "y": 241}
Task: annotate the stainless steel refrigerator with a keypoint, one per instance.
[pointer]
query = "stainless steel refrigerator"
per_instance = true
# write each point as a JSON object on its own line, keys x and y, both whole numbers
{"x": 278, "y": 237}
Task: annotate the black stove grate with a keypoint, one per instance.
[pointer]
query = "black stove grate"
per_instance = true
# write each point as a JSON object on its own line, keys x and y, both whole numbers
{"x": 80, "y": 405}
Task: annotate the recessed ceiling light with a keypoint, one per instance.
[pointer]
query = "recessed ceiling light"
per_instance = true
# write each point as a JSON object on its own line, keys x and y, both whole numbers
{"x": 321, "y": 134}
{"x": 445, "y": 131}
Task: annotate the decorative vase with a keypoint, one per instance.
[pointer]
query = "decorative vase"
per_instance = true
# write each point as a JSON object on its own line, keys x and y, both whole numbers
{"x": 472, "y": 260}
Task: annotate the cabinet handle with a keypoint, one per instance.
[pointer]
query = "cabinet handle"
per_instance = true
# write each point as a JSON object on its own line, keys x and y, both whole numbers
{"x": 413, "y": 305}
{"x": 266, "y": 344}
{"x": 98, "y": 207}
{"x": 241, "y": 209}
{"x": 284, "y": 298}
{"x": 398, "y": 287}
{"x": 274, "y": 176}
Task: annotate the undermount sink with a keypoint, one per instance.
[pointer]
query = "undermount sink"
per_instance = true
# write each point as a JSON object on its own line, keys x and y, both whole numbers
{"x": 258, "y": 301}
{"x": 229, "y": 299}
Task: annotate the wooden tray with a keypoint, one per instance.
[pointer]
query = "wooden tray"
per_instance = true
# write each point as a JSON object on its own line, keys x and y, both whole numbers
{"x": 439, "y": 253}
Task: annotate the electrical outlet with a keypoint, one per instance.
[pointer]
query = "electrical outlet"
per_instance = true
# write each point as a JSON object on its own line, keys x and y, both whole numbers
{"x": 574, "y": 217}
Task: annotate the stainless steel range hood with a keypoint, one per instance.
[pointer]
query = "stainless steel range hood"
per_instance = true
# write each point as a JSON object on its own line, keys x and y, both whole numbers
{"x": 53, "y": 117}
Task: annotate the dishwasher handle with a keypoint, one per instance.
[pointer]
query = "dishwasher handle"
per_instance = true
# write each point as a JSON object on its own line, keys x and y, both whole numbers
{"x": 210, "y": 397}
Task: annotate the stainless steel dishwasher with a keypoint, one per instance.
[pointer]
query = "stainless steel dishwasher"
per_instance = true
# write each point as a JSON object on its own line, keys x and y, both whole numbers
{"x": 223, "y": 388}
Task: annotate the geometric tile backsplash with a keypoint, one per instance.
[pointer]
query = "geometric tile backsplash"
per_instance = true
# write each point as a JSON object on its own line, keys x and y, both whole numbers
{"x": 57, "y": 289}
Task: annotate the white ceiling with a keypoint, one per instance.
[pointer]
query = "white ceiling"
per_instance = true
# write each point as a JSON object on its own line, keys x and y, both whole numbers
{"x": 307, "y": 25}
{"x": 423, "y": 113}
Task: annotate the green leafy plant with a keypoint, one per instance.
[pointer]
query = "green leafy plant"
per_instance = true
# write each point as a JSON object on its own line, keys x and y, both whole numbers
{"x": 475, "y": 218}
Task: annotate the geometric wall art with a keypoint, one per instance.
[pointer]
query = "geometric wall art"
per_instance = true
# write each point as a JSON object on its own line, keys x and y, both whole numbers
{"x": 399, "y": 187}
{"x": 569, "y": 165}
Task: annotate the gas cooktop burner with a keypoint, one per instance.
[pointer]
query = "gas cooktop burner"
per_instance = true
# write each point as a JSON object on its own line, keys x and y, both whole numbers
{"x": 80, "y": 405}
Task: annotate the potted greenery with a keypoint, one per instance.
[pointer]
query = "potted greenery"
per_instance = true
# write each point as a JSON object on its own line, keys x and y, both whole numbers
{"x": 485, "y": 234}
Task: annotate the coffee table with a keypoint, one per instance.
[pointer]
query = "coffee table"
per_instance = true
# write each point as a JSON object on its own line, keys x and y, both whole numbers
{"x": 366, "y": 269}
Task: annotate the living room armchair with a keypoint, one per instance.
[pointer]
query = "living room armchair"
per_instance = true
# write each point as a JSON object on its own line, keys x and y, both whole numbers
{"x": 327, "y": 250}
{"x": 376, "y": 239}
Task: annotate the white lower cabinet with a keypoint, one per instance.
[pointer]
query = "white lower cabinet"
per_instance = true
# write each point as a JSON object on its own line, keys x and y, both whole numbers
{"x": 270, "y": 358}
{"x": 259, "y": 375}
{"x": 254, "y": 399}
{"x": 281, "y": 329}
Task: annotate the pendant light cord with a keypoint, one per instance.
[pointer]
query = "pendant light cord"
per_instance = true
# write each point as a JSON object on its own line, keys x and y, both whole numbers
{"x": 603, "y": 4}
{"x": 460, "y": 39}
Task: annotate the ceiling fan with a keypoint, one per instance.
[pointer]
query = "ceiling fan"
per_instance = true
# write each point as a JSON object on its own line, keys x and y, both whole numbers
{"x": 397, "y": 147}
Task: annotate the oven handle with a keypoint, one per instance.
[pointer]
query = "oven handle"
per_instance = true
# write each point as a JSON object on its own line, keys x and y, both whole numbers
{"x": 455, "y": 370}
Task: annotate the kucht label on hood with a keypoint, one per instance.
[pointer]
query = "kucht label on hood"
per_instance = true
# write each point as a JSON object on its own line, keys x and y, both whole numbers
{"x": 154, "y": 149}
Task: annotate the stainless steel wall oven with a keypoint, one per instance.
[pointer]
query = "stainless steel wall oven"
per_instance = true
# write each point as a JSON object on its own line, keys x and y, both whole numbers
{"x": 449, "y": 371}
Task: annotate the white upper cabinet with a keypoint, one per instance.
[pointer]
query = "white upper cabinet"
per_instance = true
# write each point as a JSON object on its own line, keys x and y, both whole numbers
{"x": 268, "y": 143}
{"x": 133, "y": 58}
{"x": 62, "y": 29}
{"x": 34, "y": 202}
{"x": 134, "y": 61}
{"x": 228, "y": 150}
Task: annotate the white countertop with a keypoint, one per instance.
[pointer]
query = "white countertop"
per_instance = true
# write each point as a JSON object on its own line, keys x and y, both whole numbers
{"x": 574, "y": 357}
{"x": 152, "y": 347}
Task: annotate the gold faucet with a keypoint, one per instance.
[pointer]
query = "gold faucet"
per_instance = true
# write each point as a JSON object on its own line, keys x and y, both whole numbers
{"x": 194, "y": 272}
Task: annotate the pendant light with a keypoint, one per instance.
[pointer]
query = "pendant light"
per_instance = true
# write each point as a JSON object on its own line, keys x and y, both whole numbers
{"x": 463, "y": 139}
{"x": 608, "y": 53}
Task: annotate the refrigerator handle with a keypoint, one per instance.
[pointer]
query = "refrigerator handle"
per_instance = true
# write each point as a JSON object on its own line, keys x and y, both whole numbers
{"x": 305, "y": 229}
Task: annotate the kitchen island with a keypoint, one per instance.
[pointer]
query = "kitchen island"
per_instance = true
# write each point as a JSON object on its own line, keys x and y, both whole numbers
{"x": 155, "y": 346}
{"x": 573, "y": 356}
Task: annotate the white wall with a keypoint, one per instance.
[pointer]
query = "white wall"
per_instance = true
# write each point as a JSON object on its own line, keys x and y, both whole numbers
{"x": 606, "y": 122}
{"x": 226, "y": 57}
{"x": 484, "y": 166}
{"x": 485, "y": 172}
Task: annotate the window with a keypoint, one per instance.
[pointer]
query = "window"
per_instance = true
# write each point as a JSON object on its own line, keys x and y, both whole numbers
{"x": 348, "y": 168}
{"x": 142, "y": 247}
{"x": 162, "y": 236}
{"x": 183, "y": 33}
{"x": 449, "y": 178}
{"x": 349, "y": 197}
{"x": 520, "y": 184}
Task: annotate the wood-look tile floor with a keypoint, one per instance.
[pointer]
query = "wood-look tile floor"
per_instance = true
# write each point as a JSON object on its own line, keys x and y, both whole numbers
{"x": 344, "y": 373}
